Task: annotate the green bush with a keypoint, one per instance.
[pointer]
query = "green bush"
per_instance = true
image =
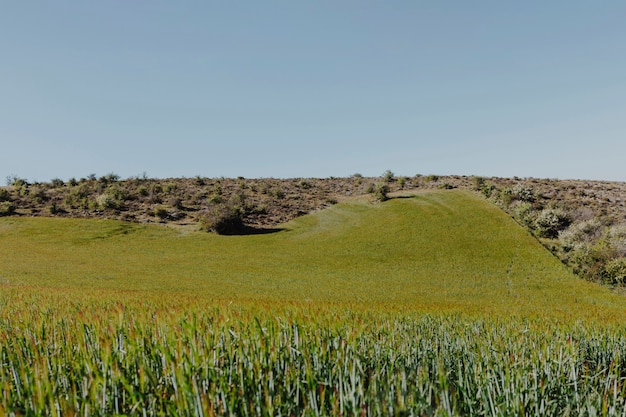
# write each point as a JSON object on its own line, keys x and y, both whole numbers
{"x": 523, "y": 193}
{"x": 380, "y": 191}
{"x": 226, "y": 218}
{"x": 161, "y": 212}
{"x": 142, "y": 191}
{"x": 550, "y": 222}
{"x": 55, "y": 209}
{"x": 524, "y": 214}
{"x": 118, "y": 193}
{"x": 38, "y": 195}
{"x": 7, "y": 208}
{"x": 504, "y": 197}
{"x": 107, "y": 201}
{"x": 57, "y": 183}
{"x": 222, "y": 219}
{"x": 108, "y": 178}
{"x": 616, "y": 236}
{"x": 479, "y": 183}
{"x": 277, "y": 193}
{"x": 388, "y": 176}
{"x": 615, "y": 271}
{"x": 488, "y": 189}
{"x": 582, "y": 232}
{"x": 5, "y": 195}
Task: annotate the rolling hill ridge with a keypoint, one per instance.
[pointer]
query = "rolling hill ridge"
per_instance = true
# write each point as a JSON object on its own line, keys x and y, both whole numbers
{"x": 440, "y": 250}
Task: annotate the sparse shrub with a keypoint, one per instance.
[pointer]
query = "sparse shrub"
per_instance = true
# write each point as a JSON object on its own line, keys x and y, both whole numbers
{"x": 524, "y": 214}
{"x": 431, "y": 178}
{"x": 582, "y": 232}
{"x": 388, "y": 176}
{"x": 304, "y": 184}
{"x": 257, "y": 209}
{"x": 505, "y": 197}
{"x": 38, "y": 195}
{"x": 446, "y": 186}
{"x": 107, "y": 201}
{"x": 616, "y": 237}
{"x": 142, "y": 191}
{"x": 93, "y": 205}
{"x": 479, "y": 183}
{"x": 7, "y": 208}
{"x": 108, "y": 178}
{"x": 523, "y": 193}
{"x": 215, "y": 198}
{"x": 55, "y": 209}
{"x": 550, "y": 222}
{"x": 488, "y": 189}
{"x": 585, "y": 260}
{"x": 118, "y": 193}
{"x": 57, "y": 183}
{"x": 16, "y": 181}
{"x": 277, "y": 192}
{"x": 225, "y": 218}
{"x": 615, "y": 271}
{"x": 381, "y": 191}
{"x": 222, "y": 219}
{"x": 402, "y": 182}
{"x": 72, "y": 182}
{"x": 5, "y": 195}
{"x": 78, "y": 197}
{"x": 176, "y": 203}
{"x": 161, "y": 212}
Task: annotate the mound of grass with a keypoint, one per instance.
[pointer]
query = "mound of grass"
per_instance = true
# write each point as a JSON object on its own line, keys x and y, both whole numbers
{"x": 434, "y": 304}
{"x": 434, "y": 251}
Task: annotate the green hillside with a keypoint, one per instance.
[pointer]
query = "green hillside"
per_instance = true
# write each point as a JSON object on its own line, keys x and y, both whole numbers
{"x": 431, "y": 304}
{"x": 440, "y": 250}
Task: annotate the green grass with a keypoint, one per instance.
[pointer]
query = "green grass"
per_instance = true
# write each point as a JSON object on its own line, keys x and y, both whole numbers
{"x": 434, "y": 251}
{"x": 437, "y": 305}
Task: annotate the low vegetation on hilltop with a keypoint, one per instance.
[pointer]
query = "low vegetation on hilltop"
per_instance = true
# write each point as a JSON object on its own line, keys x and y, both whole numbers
{"x": 582, "y": 222}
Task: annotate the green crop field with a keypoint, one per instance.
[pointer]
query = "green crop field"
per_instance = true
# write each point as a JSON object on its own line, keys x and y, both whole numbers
{"x": 436, "y": 303}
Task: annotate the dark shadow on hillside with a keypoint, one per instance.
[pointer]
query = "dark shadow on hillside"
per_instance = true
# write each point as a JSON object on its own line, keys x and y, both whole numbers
{"x": 249, "y": 230}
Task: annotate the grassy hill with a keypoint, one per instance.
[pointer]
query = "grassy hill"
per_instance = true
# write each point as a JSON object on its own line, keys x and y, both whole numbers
{"x": 430, "y": 251}
{"x": 437, "y": 303}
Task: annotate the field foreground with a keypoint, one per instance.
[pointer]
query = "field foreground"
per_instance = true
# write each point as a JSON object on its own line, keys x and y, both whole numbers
{"x": 435, "y": 304}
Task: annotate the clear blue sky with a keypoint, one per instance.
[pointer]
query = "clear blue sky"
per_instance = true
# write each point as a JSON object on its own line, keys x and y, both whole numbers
{"x": 313, "y": 88}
